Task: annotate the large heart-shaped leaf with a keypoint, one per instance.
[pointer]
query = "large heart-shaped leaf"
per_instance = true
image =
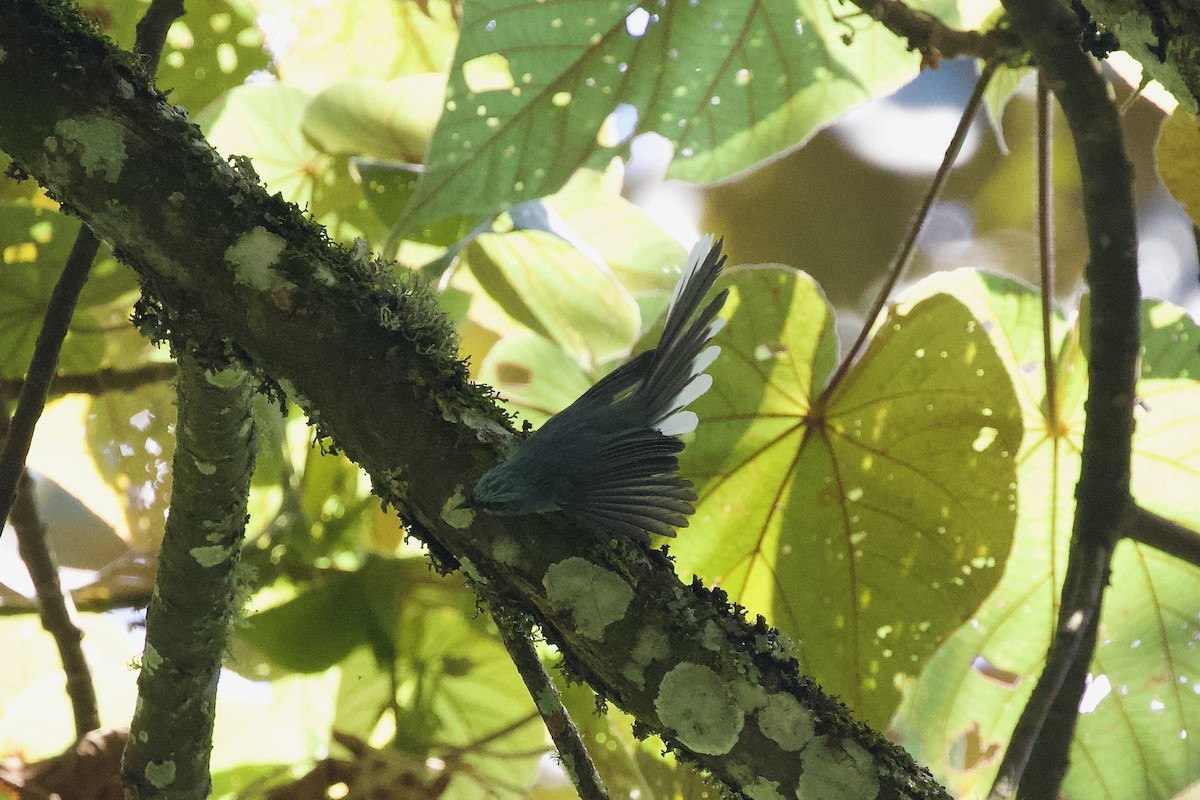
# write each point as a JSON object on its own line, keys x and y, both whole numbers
{"x": 534, "y": 88}
{"x": 868, "y": 524}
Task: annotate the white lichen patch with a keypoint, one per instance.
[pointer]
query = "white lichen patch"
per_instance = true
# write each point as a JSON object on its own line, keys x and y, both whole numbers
{"x": 837, "y": 769}
{"x": 749, "y": 696}
{"x": 548, "y": 702}
{"x": 471, "y": 571}
{"x": 160, "y": 774}
{"x": 253, "y": 258}
{"x": 762, "y": 789}
{"x": 225, "y": 378}
{"x": 204, "y": 468}
{"x": 506, "y": 550}
{"x": 151, "y": 660}
{"x": 787, "y": 723}
{"x": 652, "y": 645}
{"x": 211, "y": 555}
{"x": 324, "y": 275}
{"x": 695, "y": 704}
{"x": 594, "y": 597}
{"x": 711, "y": 637}
{"x": 454, "y": 516}
{"x": 99, "y": 142}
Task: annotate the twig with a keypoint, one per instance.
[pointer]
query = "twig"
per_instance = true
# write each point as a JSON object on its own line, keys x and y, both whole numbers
{"x": 1045, "y": 234}
{"x": 926, "y": 33}
{"x": 1037, "y": 758}
{"x": 1075, "y": 634}
{"x": 152, "y": 31}
{"x": 571, "y": 750}
{"x": 1163, "y": 534}
{"x": 904, "y": 254}
{"x": 16, "y": 495}
{"x": 32, "y": 399}
{"x": 55, "y": 608}
{"x": 101, "y": 381}
{"x": 84, "y": 600}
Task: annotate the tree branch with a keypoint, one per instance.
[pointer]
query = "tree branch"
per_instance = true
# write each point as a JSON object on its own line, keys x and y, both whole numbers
{"x": 571, "y": 750}
{"x": 1038, "y": 757}
{"x": 54, "y": 606}
{"x": 195, "y": 594}
{"x": 105, "y": 380}
{"x": 1163, "y": 534}
{"x": 926, "y": 33}
{"x": 32, "y": 399}
{"x": 374, "y": 364}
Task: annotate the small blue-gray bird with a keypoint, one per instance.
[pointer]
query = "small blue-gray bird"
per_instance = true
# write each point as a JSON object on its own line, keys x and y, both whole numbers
{"x": 610, "y": 460}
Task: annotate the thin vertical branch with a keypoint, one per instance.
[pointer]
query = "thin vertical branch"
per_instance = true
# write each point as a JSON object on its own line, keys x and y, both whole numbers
{"x": 1037, "y": 758}
{"x": 904, "y": 254}
{"x": 55, "y": 607}
{"x": 32, "y": 400}
{"x": 196, "y": 590}
{"x": 1045, "y": 234}
{"x": 571, "y": 750}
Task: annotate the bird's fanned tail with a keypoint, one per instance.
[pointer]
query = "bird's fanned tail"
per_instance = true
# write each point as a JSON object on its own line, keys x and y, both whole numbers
{"x": 636, "y": 489}
{"x": 675, "y": 375}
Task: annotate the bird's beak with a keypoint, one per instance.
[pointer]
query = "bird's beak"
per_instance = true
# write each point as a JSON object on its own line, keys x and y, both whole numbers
{"x": 466, "y": 505}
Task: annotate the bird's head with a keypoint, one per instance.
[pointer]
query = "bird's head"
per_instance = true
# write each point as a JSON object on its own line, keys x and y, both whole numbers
{"x": 499, "y": 491}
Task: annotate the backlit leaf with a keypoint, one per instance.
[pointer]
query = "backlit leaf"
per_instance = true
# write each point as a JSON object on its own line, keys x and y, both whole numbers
{"x": 1131, "y": 739}
{"x": 729, "y": 84}
{"x": 869, "y": 526}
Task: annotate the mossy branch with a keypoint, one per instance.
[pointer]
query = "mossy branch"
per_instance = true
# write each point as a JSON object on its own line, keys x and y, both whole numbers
{"x": 196, "y": 591}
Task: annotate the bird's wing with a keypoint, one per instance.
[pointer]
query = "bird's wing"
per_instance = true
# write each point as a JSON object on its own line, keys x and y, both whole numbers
{"x": 615, "y": 384}
{"x": 635, "y": 488}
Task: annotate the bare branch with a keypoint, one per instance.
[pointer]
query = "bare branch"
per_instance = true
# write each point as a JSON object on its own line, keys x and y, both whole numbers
{"x": 1038, "y": 757}
{"x": 1163, "y": 534}
{"x": 105, "y": 380}
{"x": 928, "y": 34}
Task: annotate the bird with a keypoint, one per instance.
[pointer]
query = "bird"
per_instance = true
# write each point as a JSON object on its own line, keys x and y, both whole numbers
{"x": 610, "y": 460}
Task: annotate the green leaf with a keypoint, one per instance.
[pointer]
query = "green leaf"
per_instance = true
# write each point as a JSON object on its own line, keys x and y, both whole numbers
{"x": 533, "y": 375}
{"x": 264, "y": 124}
{"x": 387, "y": 186}
{"x": 211, "y": 49}
{"x": 36, "y": 244}
{"x": 132, "y": 442}
{"x": 369, "y": 117}
{"x": 999, "y": 91}
{"x": 341, "y": 39}
{"x": 959, "y": 714}
{"x": 730, "y": 84}
{"x": 324, "y": 623}
{"x": 869, "y": 528}
{"x": 644, "y": 258}
{"x": 558, "y": 292}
